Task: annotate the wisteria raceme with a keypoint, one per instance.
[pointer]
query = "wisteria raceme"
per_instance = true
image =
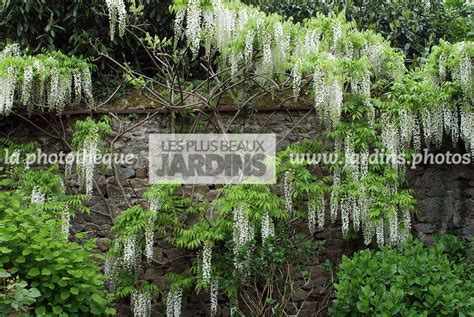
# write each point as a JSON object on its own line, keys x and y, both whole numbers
{"x": 390, "y": 139}
{"x": 467, "y": 129}
{"x": 282, "y": 41}
{"x": 65, "y": 219}
{"x": 334, "y": 200}
{"x": 320, "y": 91}
{"x": 131, "y": 253}
{"x": 406, "y": 221}
{"x": 297, "y": 79}
{"x": 7, "y": 91}
{"x": 86, "y": 166}
{"x": 206, "y": 262}
{"x": 37, "y": 196}
{"x": 27, "y": 85}
{"x": 356, "y": 211}
{"x": 267, "y": 62}
{"x": 149, "y": 242}
{"x": 214, "y": 292}
{"x": 350, "y": 164}
{"x": 320, "y": 212}
{"x": 155, "y": 206}
{"x": 407, "y": 123}
{"x": 426, "y": 121}
{"x": 335, "y": 103}
{"x": 10, "y": 50}
{"x": 337, "y": 34}
{"x": 416, "y": 135}
{"x": 394, "y": 238}
{"x": 346, "y": 204}
{"x": 243, "y": 231}
{"x": 169, "y": 304}
{"x": 87, "y": 86}
{"x": 234, "y": 60}
{"x": 178, "y": 27}
{"x": 373, "y": 53}
{"x": 111, "y": 271}
{"x": 117, "y": 16}
{"x": 267, "y": 227}
{"x": 379, "y": 232}
{"x": 141, "y": 303}
{"x": 463, "y": 72}
{"x": 288, "y": 190}
{"x": 173, "y": 303}
{"x": 437, "y": 126}
{"x": 368, "y": 229}
{"x": 209, "y": 22}
{"x": 312, "y": 216}
{"x": 76, "y": 75}
{"x": 193, "y": 24}
{"x": 248, "y": 50}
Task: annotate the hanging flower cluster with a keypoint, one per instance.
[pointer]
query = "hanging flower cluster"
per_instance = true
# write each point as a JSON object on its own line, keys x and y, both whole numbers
{"x": 141, "y": 303}
{"x": 37, "y": 196}
{"x": 387, "y": 229}
{"x": 288, "y": 190}
{"x": 173, "y": 303}
{"x": 328, "y": 48}
{"x": 117, "y": 16}
{"x": 447, "y": 63}
{"x": 268, "y": 229}
{"x": 131, "y": 253}
{"x": 111, "y": 270}
{"x": 149, "y": 242}
{"x": 316, "y": 213}
{"x": 214, "y": 292}
{"x": 206, "y": 262}
{"x": 43, "y": 81}
{"x": 243, "y": 231}
{"x": 87, "y": 163}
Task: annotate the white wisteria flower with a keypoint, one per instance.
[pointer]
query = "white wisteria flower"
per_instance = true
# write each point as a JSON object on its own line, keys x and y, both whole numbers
{"x": 141, "y": 303}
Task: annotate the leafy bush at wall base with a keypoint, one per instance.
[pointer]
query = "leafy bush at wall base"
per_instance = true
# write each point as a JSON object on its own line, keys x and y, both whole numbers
{"x": 15, "y": 296}
{"x": 415, "y": 280}
{"x": 33, "y": 247}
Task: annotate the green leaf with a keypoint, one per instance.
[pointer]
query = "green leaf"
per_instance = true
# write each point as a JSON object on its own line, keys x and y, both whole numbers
{"x": 40, "y": 310}
{"x": 5, "y": 250}
{"x": 33, "y": 272}
{"x": 57, "y": 309}
{"x": 34, "y": 292}
{"x": 65, "y": 294}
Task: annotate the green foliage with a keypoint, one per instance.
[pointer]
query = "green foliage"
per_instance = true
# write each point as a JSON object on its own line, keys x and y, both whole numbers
{"x": 415, "y": 280}
{"x": 74, "y": 25}
{"x": 15, "y": 296}
{"x": 413, "y": 26}
{"x": 35, "y": 249}
{"x": 90, "y": 130}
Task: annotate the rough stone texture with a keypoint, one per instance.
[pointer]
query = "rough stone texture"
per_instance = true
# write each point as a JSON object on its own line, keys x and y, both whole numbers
{"x": 445, "y": 199}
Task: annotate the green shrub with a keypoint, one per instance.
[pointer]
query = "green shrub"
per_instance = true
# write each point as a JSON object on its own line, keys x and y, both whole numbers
{"x": 14, "y": 295}
{"x": 33, "y": 248}
{"x": 415, "y": 280}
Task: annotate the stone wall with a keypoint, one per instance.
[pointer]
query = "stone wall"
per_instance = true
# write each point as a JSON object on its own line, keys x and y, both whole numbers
{"x": 445, "y": 197}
